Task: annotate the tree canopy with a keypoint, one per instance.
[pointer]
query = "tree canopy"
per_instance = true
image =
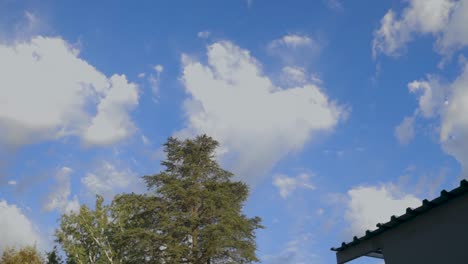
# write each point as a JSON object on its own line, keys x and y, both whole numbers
{"x": 86, "y": 236}
{"x": 191, "y": 214}
{"x": 25, "y": 255}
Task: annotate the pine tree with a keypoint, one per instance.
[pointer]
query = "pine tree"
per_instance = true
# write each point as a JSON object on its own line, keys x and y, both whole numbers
{"x": 137, "y": 228}
{"x": 203, "y": 221}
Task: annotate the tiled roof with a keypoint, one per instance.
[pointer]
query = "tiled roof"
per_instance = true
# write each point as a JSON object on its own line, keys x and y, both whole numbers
{"x": 445, "y": 196}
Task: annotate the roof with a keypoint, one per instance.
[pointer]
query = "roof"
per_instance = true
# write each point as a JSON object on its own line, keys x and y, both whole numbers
{"x": 445, "y": 197}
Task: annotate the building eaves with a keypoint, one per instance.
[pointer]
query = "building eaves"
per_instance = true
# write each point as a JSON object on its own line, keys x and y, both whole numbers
{"x": 445, "y": 196}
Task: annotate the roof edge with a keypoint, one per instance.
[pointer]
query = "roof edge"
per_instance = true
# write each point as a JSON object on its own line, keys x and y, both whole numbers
{"x": 410, "y": 213}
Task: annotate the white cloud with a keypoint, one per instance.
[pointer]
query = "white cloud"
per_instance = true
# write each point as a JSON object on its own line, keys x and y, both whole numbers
{"x": 454, "y": 128}
{"x": 48, "y": 92}
{"x": 444, "y": 19}
{"x": 454, "y": 34}
{"x": 158, "y": 68}
{"x": 335, "y": 5}
{"x": 145, "y": 140}
{"x": 107, "y": 180}
{"x": 16, "y": 230}
{"x": 314, "y": 78}
{"x": 294, "y": 75}
{"x": 32, "y": 23}
{"x": 256, "y": 122}
{"x": 287, "y": 185}
{"x": 449, "y": 104}
{"x": 23, "y": 27}
{"x": 58, "y": 198}
{"x": 11, "y": 182}
{"x": 295, "y": 49}
{"x": 430, "y": 184}
{"x": 431, "y": 99}
{"x": 369, "y": 205}
{"x": 432, "y": 95}
{"x": 112, "y": 122}
{"x": 320, "y": 211}
{"x": 154, "y": 79}
{"x": 292, "y": 41}
{"x": 203, "y": 34}
{"x": 338, "y": 153}
{"x": 404, "y": 132}
{"x": 295, "y": 251}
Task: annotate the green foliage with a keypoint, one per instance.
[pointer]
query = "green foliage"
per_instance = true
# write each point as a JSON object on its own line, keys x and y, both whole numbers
{"x": 53, "y": 257}
{"x": 202, "y": 206}
{"x": 86, "y": 236}
{"x": 137, "y": 223}
{"x": 26, "y": 255}
{"x": 193, "y": 214}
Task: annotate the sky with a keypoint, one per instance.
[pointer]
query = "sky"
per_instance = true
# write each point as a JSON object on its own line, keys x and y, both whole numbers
{"x": 337, "y": 114}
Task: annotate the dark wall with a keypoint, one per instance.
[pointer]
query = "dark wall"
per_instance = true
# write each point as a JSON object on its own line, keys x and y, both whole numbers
{"x": 437, "y": 237}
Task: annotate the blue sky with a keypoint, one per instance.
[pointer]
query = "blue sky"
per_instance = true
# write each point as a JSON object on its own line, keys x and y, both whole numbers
{"x": 338, "y": 114}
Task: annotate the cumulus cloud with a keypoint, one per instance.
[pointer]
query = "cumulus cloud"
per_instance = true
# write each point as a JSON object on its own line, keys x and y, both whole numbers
{"x": 112, "y": 121}
{"x": 431, "y": 95}
{"x": 16, "y": 230}
{"x": 107, "y": 180}
{"x": 59, "y": 196}
{"x": 404, "y": 132}
{"x": 454, "y": 34}
{"x": 431, "y": 101}
{"x": 419, "y": 17}
{"x": 48, "y": 92}
{"x": 446, "y": 20}
{"x": 454, "y": 128}
{"x": 256, "y": 122}
{"x": 369, "y": 205}
{"x": 287, "y": 185}
{"x": 447, "y": 103}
